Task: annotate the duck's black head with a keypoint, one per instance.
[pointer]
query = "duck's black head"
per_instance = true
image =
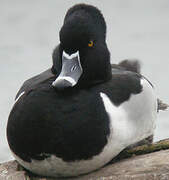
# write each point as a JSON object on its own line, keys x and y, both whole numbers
{"x": 82, "y": 59}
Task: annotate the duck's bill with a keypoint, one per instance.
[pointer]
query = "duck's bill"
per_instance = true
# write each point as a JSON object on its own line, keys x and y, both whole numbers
{"x": 70, "y": 72}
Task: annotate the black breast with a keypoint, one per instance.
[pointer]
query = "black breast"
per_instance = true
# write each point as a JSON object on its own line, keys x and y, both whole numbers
{"x": 72, "y": 125}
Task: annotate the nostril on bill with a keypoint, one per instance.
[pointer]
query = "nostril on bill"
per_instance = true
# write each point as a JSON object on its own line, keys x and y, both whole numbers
{"x": 73, "y": 68}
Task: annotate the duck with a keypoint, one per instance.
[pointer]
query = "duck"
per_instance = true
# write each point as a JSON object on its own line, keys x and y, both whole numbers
{"x": 78, "y": 115}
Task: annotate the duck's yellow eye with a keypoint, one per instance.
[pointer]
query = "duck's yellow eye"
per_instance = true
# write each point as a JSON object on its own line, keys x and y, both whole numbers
{"x": 90, "y": 44}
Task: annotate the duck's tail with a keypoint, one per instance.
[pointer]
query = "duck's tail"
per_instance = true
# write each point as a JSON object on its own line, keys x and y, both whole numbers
{"x": 161, "y": 105}
{"x": 131, "y": 65}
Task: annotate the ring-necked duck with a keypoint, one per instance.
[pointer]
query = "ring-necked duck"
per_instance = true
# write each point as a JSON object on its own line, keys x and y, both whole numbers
{"x": 78, "y": 115}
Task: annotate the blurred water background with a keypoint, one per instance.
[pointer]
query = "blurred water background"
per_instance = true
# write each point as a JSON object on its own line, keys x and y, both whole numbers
{"x": 29, "y": 32}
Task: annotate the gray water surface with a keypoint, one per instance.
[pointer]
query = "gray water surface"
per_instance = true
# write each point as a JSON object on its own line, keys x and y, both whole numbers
{"x": 29, "y": 32}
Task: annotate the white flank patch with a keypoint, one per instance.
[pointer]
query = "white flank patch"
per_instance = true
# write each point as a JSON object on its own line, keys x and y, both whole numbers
{"x": 130, "y": 122}
{"x": 134, "y": 119}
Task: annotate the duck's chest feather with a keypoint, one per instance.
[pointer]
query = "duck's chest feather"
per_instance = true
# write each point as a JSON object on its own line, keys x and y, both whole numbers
{"x": 72, "y": 126}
